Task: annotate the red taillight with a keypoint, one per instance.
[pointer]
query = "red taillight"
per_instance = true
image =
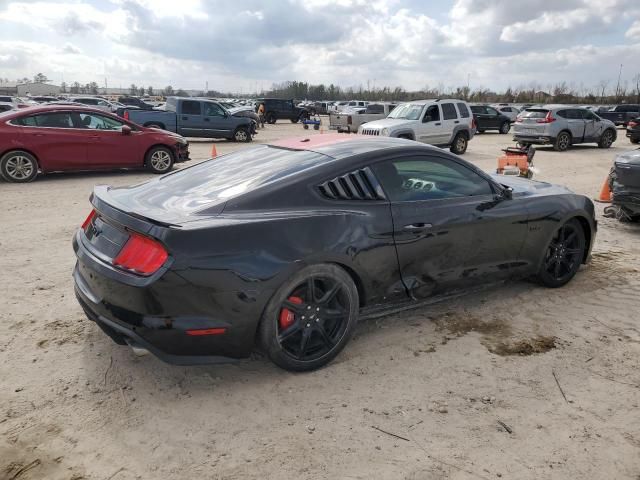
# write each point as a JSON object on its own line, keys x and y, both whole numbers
{"x": 126, "y": 115}
{"x": 88, "y": 220}
{"x": 547, "y": 119}
{"x": 349, "y": 119}
{"x": 141, "y": 255}
{"x": 206, "y": 331}
{"x": 473, "y": 122}
{"x": 518, "y": 119}
{"x": 632, "y": 124}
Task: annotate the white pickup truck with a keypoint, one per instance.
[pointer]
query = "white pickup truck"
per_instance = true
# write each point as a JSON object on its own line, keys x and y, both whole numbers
{"x": 348, "y": 121}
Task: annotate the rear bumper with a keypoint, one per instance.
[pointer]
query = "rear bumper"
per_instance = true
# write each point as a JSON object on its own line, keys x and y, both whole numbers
{"x": 536, "y": 139}
{"x": 156, "y": 313}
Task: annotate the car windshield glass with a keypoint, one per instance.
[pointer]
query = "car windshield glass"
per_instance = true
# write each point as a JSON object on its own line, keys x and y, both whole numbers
{"x": 407, "y": 111}
{"x": 213, "y": 182}
{"x": 534, "y": 113}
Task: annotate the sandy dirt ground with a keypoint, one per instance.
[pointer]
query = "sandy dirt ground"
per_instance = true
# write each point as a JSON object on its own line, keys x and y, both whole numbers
{"x": 517, "y": 382}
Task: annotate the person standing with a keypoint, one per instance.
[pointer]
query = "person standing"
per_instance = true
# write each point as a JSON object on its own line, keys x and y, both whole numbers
{"x": 261, "y": 114}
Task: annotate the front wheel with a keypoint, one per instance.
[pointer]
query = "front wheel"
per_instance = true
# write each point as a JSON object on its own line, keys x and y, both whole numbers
{"x": 159, "y": 160}
{"x": 18, "y": 167}
{"x": 563, "y": 255}
{"x": 606, "y": 140}
{"x": 505, "y": 127}
{"x": 241, "y": 135}
{"x": 310, "y": 318}
{"x": 459, "y": 145}
{"x": 635, "y": 140}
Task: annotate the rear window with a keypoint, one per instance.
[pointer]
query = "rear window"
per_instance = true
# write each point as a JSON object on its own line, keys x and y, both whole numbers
{"x": 210, "y": 183}
{"x": 534, "y": 113}
{"x": 464, "y": 111}
{"x": 375, "y": 108}
{"x": 5, "y": 99}
{"x": 449, "y": 111}
{"x": 189, "y": 107}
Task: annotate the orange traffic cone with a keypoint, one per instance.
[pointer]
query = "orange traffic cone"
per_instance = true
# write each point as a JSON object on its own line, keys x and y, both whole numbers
{"x": 605, "y": 192}
{"x": 214, "y": 152}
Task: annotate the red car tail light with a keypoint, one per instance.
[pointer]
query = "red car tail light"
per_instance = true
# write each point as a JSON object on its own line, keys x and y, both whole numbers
{"x": 88, "y": 220}
{"x": 473, "y": 123}
{"x": 547, "y": 119}
{"x": 126, "y": 115}
{"x": 141, "y": 255}
{"x": 632, "y": 124}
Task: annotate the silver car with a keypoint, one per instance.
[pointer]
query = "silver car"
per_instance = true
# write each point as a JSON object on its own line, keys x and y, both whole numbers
{"x": 563, "y": 126}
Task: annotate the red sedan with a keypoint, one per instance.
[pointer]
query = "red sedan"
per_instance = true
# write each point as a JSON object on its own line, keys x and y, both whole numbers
{"x": 60, "y": 138}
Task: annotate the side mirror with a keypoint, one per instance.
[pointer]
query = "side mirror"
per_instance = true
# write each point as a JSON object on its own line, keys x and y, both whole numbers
{"x": 427, "y": 119}
{"x": 126, "y": 130}
{"x": 507, "y": 193}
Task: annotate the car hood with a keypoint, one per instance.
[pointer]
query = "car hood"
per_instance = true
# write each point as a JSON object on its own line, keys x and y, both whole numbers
{"x": 235, "y": 110}
{"x": 389, "y": 123}
{"x": 523, "y": 186}
{"x": 630, "y": 158}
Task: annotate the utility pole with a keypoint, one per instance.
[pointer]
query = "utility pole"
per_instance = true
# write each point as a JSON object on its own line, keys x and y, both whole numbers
{"x": 618, "y": 86}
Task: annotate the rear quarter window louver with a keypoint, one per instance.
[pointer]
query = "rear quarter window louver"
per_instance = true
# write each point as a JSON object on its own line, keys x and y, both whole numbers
{"x": 357, "y": 185}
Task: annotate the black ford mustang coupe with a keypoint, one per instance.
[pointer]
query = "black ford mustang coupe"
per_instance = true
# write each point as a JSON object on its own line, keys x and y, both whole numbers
{"x": 286, "y": 244}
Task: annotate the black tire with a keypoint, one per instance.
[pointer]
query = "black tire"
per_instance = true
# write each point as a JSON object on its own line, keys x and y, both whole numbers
{"x": 505, "y": 127}
{"x": 305, "y": 126}
{"x": 563, "y": 255}
{"x": 478, "y": 131}
{"x": 159, "y": 159}
{"x": 634, "y": 140}
{"x": 563, "y": 142}
{"x": 18, "y": 167}
{"x": 242, "y": 134}
{"x": 295, "y": 120}
{"x": 606, "y": 139}
{"x": 460, "y": 144}
{"x": 299, "y": 331}
{"x": 271, "y": 118}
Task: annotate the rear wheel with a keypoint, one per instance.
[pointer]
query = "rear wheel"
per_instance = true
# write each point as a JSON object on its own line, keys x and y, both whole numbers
{"x": 606, "y": 140}
{"x": 271, "y": 118}
{"x": 159, "y": 160}
{"x": 460, "y": 143}
{"x": 634, "y": 140}
{"x": 563, "y": 142}
{"x": 505, "y": 127}
{"x": 310, "y": 318}
{"x": 563, "y": 255}
{"x": 18, "y": 167}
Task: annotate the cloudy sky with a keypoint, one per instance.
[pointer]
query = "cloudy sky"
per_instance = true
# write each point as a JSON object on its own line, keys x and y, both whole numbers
{"x": 249, "y": 44}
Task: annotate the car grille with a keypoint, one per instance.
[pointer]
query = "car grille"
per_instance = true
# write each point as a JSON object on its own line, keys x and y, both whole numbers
{"x": 357, "y": 185}
{"x": 370, "y": 131}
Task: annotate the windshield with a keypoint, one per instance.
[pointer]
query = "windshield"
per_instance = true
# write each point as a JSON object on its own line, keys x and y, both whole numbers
{"x": 534, "y": 113}
{"x": 407, "y": 111}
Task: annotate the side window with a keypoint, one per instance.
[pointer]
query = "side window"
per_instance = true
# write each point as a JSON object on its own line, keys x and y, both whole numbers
{"x": 432, "y": 114}
{"x": 25, "y": 122}
{"x": 478, "y": 110}
{"x": 563, "y": 113}
{"x": 213, "y": 110}
{"x": 429, "y": 178}
{"x": 53, "y": 120}
{"x": 590, "y": 115}
{"x": 491, "y": 111}
{"x": 97, "y": 122}
{"x": 375, "y": 108}
{"x": 391, "y": 107}
{"x": 189, "y": 107}
{"x": 449, "y": 111}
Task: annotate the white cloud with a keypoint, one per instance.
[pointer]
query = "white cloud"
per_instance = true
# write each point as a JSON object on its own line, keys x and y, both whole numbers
{"x": 349, "y": 42}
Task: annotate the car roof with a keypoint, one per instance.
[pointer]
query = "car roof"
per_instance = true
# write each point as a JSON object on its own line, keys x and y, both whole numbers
{"x": 53, "y": 108}
{"x": 337, "y": 145}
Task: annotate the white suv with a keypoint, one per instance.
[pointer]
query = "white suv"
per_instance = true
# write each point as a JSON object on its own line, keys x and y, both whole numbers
{"x": 446, "y": 122}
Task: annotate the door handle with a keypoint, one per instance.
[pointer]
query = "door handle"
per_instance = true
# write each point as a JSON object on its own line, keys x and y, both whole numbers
{"x": 185, "y": 118}
{"x": 416, "y": 227}
{"x": 438, "y": 123}
{"x": 456, "y": 121}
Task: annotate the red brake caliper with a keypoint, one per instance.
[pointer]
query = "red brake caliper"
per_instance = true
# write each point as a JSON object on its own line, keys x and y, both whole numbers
{"x": 286, "y": 316}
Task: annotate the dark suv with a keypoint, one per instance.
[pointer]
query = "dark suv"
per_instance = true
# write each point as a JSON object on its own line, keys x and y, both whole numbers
{"x": 135, "y": 102}
{"x": 488, "y": 118}
{"x": 275, "y": 109}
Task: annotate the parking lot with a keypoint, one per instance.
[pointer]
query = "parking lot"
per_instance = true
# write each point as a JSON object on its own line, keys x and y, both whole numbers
{"x": 515, "y": 382}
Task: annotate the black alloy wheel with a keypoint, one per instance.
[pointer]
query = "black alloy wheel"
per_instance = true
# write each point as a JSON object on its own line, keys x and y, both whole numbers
{"x": 310, "y": 319}
{"x": 564, "y": 255}
{"x": 606, "y": 140}
{"x": 505, "y": 127}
